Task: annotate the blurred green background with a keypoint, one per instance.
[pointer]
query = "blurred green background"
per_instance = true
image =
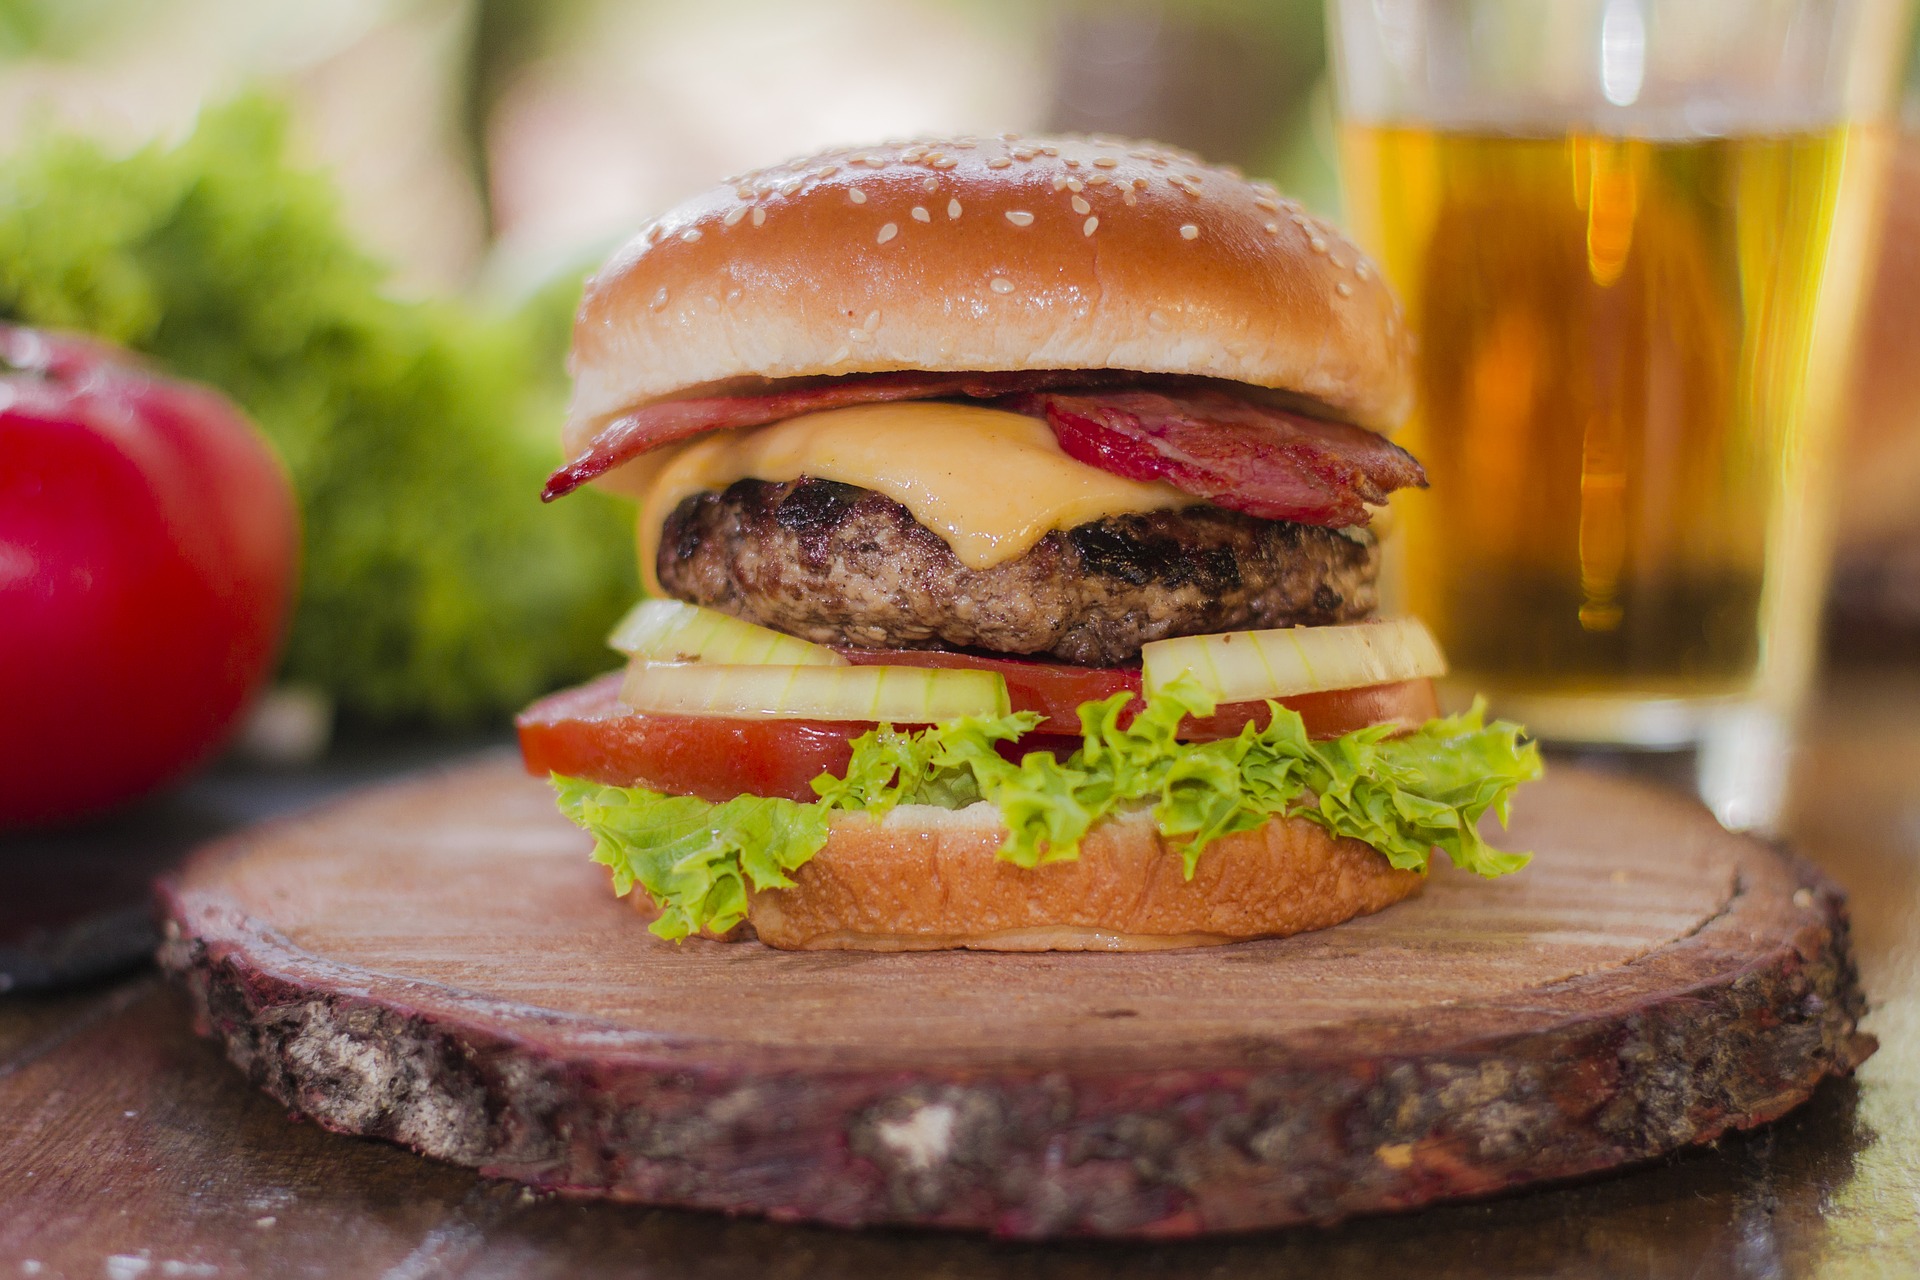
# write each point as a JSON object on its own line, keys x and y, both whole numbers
{"x": 367, "y": 221}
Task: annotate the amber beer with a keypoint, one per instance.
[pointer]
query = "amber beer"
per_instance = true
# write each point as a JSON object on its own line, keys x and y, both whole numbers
{"x": 1630, "y": 349}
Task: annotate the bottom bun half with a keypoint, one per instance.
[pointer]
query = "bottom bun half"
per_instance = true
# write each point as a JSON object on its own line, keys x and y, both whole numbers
{"x": 926, "y": 879}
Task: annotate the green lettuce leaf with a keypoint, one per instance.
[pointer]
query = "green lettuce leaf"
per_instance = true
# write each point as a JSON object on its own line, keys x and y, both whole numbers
{"x": 1405, "y": 796}
{"x": 1429, "y": 789}
{"x": 434, "y": 587}
{"x": 695, "y": 859}
{"x": 933, "y": 766}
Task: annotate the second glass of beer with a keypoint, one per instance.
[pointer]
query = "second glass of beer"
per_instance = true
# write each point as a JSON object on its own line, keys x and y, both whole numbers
{"x": 1630, "y": 236}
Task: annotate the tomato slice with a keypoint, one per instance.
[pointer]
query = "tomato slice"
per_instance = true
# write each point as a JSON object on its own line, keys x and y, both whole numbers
{"x": 1056, "y": 690}
{"x": 587, "y": 732}
{"x": 1405, "y": 704}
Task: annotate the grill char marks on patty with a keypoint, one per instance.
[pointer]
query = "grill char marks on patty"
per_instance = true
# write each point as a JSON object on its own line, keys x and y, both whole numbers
{"x": 838, "y": 564}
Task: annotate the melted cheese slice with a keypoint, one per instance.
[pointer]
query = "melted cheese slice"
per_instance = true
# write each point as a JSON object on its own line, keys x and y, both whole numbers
{"x": 991, "y": 483}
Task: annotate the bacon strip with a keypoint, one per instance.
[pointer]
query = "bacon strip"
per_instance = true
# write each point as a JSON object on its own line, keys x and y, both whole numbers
{"x": 1234, "y": 453}
{"x": 655, "y": 425}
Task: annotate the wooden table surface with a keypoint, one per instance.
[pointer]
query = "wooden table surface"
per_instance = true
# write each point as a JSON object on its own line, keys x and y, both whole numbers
{"x": 130, "y": 1149}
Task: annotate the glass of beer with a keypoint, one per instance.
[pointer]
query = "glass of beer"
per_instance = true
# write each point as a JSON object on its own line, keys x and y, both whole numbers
{"x": 1630, "y": 235}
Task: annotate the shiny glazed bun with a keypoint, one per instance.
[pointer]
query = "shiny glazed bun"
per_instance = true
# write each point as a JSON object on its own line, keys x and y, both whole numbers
{"x": 925, "y": 879}
{"x": 990, "y": 254}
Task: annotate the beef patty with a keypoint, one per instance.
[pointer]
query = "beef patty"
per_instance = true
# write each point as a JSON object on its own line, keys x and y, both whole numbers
{"x": 838, "y": 564}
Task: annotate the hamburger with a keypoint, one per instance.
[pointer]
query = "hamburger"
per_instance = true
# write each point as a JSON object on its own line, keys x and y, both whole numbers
{"x": 1006, "y": 513}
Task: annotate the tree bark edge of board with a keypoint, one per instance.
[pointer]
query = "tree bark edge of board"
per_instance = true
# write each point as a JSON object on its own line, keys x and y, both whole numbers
{"x": 1144, "y": 1154}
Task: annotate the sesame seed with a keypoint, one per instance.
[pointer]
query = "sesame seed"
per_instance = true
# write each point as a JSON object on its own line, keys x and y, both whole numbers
{"x": 1129, "y": 199}
{"x": 1317, "y": 244}
{"x": 788, "y": 188}
{"x": 1262, "y": 202}
{"x": 1059, "y": 182}
{"x": 1088, "y": 227}
{"x": 859, "y": 335}
{"x": 1335, "y": 260}
{"x": 1021, "y": 153}
{"x": 1080, "y": 205}
{"x": 733, "y": 216}
{"x": 1361, "y": 269}
{"x": 999, "y": 162}
{"x": 945, "y": 162}
{"x": 872, "y": 321}
{"x": 759, "y": 215}
{"x": 734, "y": 294}
{"x": 1074, "y": 184}
{"x": 827, "y": 171}
{"x": 953, "y": 208}
{"x": 840, "y": 355}
{"x": 712, "y": 304}
{"x": 920, "y": 214}
{"x": 1104, "y": 162}
{"x": 856, "y": 195}
{"x": 887, "y": 233}
{"x": 1189, "y": 232}
{"x": 1019, "y": 218}
{"x": 1071, "y": 163}
{"x": 1096, "y": 179}
{"x": 745, "y": 193}
{"x": 1049, "y": 151}
{"x": 690, "y": 234}
{"x": 931, "y": 184}
{"x": 1139, "y": 184}
{"x": 1300, "y": 220}
{"x": 1000, "y": 284}
{"x": 1157, "y": 319}
{"x": 660, "y": 297}
{"x": 1344, "y": 289}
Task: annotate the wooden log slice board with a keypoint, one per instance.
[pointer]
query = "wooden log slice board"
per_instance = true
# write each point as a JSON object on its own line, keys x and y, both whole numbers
{"x": 437, "y": 963}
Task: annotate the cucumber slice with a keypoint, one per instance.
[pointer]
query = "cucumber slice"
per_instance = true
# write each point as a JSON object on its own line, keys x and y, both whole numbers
{"x": 899, "y": 695}
{"x": 673, "y": 631}
{"x": 1244, "y": 666}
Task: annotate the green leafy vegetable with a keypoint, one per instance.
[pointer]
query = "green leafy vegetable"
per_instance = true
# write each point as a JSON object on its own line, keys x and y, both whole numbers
{"x": 933, "y": 766}
{"x": 693, "y": 858}
{"x": 1405, "y": 796}
{"x": 434, "y": 586}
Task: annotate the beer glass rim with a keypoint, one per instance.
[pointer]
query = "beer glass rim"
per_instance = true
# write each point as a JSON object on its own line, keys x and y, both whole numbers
{"x": 1666, "y": 69}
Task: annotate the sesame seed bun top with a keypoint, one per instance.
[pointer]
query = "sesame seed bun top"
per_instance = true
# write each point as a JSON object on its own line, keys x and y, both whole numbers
{"x": 1003, "y": 253}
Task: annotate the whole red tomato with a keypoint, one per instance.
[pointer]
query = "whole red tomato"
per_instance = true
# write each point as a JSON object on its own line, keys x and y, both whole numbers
{"x": 148, "y": 539}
